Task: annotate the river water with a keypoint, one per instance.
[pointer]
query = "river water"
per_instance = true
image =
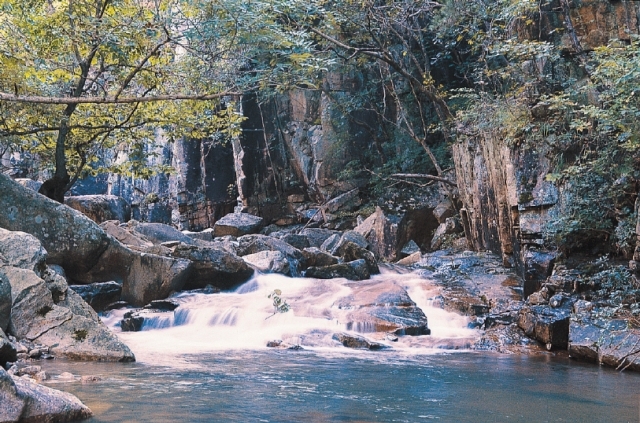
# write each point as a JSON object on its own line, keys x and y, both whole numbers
{"x": 207, "y": 362}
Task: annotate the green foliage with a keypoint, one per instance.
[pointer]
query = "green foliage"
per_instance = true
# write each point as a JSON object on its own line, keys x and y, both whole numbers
{"x": 80, "y": 334}
{"x": 280, "y": 305}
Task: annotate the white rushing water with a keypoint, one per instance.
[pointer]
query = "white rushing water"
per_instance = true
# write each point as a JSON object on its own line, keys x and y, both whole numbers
{"x": 245, "y": 320}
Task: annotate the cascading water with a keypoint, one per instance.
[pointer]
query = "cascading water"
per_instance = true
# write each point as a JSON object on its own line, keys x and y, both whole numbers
{"x": 246, "y": 318}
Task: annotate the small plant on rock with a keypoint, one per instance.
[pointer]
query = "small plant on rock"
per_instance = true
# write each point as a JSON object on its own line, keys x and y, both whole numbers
{"x": 280, "y": 305}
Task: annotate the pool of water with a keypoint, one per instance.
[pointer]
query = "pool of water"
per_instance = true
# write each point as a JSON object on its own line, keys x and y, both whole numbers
{"x": 312, "y": 386}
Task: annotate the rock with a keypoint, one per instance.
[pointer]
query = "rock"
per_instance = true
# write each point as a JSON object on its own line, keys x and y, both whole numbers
{"x": 582, "y": 307}
{"x": 556, "y": 300}
{"x": 145, "y": 277}
{"x": 84, "y": 339}
{"x": 346, "y": 202}
{"x": 295, "y": 240}
{"x": 439, "y": 237}
{"x": 350, "y": 251}
{"x": 269, "y": 262}
{"x": 29, "y": 183}
{"x": 12, "y": 403}
{"x": 71, "y": 239}
{"x": 163, "y": 305}
{"x": 348, "y": 237}
{"x": 19, "y": 249}
{"x": 238, "y": 224}
{"x": 74, "y": 332}
{"x": 538, "y": 267}
{"x": 382, "y": 233}
{"x": 100, "y": 294}
{"x": 212, "y": 266}
{"x": 537, "y": 298}
{"x": 251, "y": 244}
{"x": 159, "y": 233}
{"x": 126, "y": 235}
{"x": 43, "y": 404}
{"x": 453, "y": 226}
{"x": 8, "y": 351}
{"x": 409, "y": 248}
{"x": 5, "y": 301}
{"x": 56, "y": 281}
{"x": 330, "y": 243}
{"x": 355, "y": 271}
{"x": 545, "y": 324}
{"x": 101, "y": 208}
{"x": 131, "y": 322}
{"x": 357, "y": 341}
{"x": 205, "y": 235}
{"x": 381, "y": 306}
{"x": 443, "y": 211}
{"x": 410, "y": 260}
{"x": 318, "y": 258}
{"x": 612, "y": 343}
{"x": 317, "y": 236}
{"x": 33, "y": 311}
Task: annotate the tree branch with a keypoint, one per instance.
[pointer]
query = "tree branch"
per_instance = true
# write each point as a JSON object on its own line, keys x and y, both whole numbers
{"x": 424, "y": 176}
{"x": 110, "y": 100}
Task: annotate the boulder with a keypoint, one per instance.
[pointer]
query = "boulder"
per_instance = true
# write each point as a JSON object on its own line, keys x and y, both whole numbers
{"x": 29, "y": 183}
{"x": 538, "y": 266}
{"x": 159, "y": 233}
{"x": 99, "y": 294}
{"x": 315, "y": 257}
{"x": 7, "y": 350}
{"x": 74, "y": 331}
{"x": 238, "y": 224}
{"x": 411, "y": 260}
{"x": 205, "y": 235}
{"x": 350, "y": 251}
{"x": 269, "y": 262}
{"x": 382, "y": 233}
{"x": 356, "y": 341}
{"x": 71, "y": 239}
{"x": 547, "y": 325}
{"x": 126, "y": 235}
{"x": 5, "y": 301}
{"x": 356, "y": 270}
{"x": 296, "y": 240}
{"x": 38, "y": 403}
{"x": 409, "y": 248}
{"x": 144, "y": 277}
{"x": 317, "y": 236}
{"x": 609, "y": 342}
{"x": 213, "y": 266}
{"x": 443, "y": 211}
{"x": 33, "y": 311}
{"x": 251, "y": 244}
{"x": 101, "y": 208}
{"x": 12, "y": 403}
{"x": 439, "y": 237}
{"x": 19, "y": 249}
{"x": 381, "y": 306}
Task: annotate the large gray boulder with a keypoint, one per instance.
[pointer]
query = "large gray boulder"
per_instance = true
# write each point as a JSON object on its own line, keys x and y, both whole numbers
{"x": 269, "y": 262}
{"x": 126, "y": 235}
{"x": 159, "y": 233}
{"x": 317, "y": 236}
{"x": 19, "y": 249}
{"x": 251, "y": 244}
{"x": 71, "y": 239}
{"x": 144, "y": 277}
{"x": 101, "y": 208}
{"x": 100, "y": 294}
{"x": 213, "y": 267}
{"x": 74, "y": 331}
{"x": 24, "y": 401}
{"x": 237, "y": 224}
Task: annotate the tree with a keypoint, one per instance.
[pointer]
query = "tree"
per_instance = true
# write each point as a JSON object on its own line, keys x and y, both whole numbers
{"x": 80, "y": 77}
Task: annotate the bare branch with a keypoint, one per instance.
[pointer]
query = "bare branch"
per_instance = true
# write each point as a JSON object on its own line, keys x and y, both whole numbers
{"x": 110, "y": 100}
{"x": 424, "y": 176}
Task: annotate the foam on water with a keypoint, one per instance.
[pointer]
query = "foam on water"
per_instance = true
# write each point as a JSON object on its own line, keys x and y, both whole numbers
{"x": 245, "y": 320}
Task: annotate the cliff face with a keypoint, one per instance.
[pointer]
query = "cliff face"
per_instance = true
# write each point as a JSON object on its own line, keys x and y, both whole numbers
{"x": 507, "y": 200}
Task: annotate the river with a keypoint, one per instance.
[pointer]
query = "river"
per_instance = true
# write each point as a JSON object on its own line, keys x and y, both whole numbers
{"x": 207, "y": 362}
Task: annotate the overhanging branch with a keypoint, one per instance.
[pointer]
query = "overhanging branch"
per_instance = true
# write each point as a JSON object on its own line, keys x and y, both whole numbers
{"x": 12, "y": 98}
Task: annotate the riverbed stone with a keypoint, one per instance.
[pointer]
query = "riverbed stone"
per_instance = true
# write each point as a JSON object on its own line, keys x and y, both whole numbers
{"x": 212, "y": 266}
{"x": 7, "y": 350}
{"x": 125, "y": 234}
{"x": 316, "y": 257}
{"x": 159, "y": 233}
{"x": 357, "y": 341}
{"x": 101, "y": 208}
{"x": 44, "y": 404}
{"x": 238, "y": 224}
{"x": 355, "y": 270}
{"x": 351, "y": 251}
{"x": 548, "y": 325}
{"x": 612, "y": 343}
{"x": 251, "y": 244}
{"x": 12, "y": 403}
{"x": 317, "y": 236}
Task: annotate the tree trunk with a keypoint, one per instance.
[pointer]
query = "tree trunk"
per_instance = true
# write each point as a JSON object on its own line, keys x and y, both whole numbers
{"x": 57, "y": 186}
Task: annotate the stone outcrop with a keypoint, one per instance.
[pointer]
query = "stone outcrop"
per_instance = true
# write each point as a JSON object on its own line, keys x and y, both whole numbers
{"x": 101, "y": 208}
{"x": 71, "y": 239}
{"x": 5, "y": 302}
{"x": 100, "y": 294}
{"x": 350, "y": 340}
{"x": 19, "y": 249}
{"x": 26, "y": 401}
{"x": 269, "y": 262}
